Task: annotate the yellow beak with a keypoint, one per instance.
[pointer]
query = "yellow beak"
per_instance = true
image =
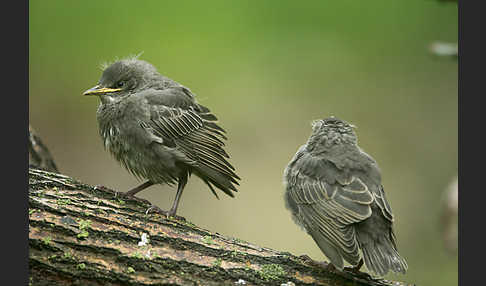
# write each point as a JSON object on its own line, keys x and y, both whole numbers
{"x": 98, "y": 90}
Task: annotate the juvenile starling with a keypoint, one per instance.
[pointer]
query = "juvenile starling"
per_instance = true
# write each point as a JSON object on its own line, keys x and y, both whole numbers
{"x": 155, "y": 128}
{"x": 334, "y": 192}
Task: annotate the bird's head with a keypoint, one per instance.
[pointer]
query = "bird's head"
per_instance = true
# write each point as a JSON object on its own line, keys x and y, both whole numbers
{"x": 330, "y": 132}
{"x": 123, "y": 78}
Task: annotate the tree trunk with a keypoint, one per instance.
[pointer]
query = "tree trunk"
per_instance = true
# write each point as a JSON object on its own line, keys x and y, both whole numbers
{"x": 83, "y": 235}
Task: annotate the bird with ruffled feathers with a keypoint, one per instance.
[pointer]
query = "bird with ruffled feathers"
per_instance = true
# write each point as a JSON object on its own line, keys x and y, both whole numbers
{"x": 158, "y": 131}
{"x": 333, "y": 190}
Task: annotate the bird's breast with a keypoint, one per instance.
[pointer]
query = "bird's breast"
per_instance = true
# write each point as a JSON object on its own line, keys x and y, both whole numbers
{"x": 134, "y": 147}
{"x": 113, "y": 140}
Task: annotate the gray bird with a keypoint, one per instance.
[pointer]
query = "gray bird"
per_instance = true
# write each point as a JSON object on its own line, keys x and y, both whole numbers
{"x": 333, "y": 190}
{"x": 155, "y": 128}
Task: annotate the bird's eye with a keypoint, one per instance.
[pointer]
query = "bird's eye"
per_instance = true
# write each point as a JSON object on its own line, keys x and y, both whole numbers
{"x": 120, "y": 84}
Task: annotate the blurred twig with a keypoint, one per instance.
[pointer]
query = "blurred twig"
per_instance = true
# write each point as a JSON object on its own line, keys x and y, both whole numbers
{"x": 39, "y": 155}
{"x": 449, "y": 222}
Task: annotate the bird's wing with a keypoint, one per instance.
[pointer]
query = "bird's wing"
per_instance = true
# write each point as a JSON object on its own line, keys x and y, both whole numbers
{"x": 193, "y": 135}
{"x": 192, "y": 129}
{"x": 371, "y": 171}
{"x": 383, "y": 203}
{"x": 367, "y": 167}
{"x": 329, "y": 205}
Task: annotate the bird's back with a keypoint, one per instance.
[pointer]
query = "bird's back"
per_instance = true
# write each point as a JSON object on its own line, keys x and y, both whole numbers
{"x": 342, "y": 206}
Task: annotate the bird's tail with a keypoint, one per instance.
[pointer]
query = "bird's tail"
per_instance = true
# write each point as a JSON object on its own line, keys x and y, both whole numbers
{"x": 222, "y": 181}
{"x": 381, "y": 256}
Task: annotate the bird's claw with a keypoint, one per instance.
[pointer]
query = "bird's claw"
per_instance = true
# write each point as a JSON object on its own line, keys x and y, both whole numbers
{"x": 355, "y": 271}
{"x": 103, "y": 188}
{"x": 325, "y": 265}
{"x": 331, "y": 268}
{"x": 306, "y": 258}
{"x": 168, "y": 214}
{"x": 131, "y": 197}
{"x": 120, "y": 195}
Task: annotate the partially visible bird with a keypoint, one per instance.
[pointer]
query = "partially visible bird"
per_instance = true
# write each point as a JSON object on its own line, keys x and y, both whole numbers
{"x": 333, "y": 190}
{"x": 156, "y": 129}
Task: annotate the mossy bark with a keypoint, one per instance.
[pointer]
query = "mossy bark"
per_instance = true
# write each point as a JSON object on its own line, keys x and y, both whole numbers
{"x": 83, "y": 235}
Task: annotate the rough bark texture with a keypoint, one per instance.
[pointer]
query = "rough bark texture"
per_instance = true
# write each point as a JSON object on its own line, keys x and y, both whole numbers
{"x": 83, "y": 235}
{"x": 80, "y": 235}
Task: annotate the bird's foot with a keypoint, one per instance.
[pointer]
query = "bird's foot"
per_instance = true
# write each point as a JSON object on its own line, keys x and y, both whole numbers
{"x": 306, "y": 258}
{"x": 108, "y": 190}
{"x": 103, "y": 188}
{"x": 321, "y": 264}
{"x": 355, "y": 271}
{"x": 331, "y": 268}
{"x": 131, "y": 197}
{"x": 120, "y": 195}
{"x": 168, "y": 214}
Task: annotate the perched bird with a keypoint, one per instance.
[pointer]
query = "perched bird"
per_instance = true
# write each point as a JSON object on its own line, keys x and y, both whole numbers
{"x": 156, "y": 129}
{"x": 333, "y": 191}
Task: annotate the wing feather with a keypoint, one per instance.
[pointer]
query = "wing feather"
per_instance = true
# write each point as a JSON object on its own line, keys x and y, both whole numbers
{"x": 330, "y": 204}
{"x": 194, "y": 136}
{"x": 192, "y": 130}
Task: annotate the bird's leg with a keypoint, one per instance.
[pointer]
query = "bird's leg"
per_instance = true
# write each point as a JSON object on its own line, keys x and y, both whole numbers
{"x": 356, "y": 272}
{"x": 330, "y": 267}
{"x": 138, "y": 189}
{"x": 173, "y": 210}
{"x": 358, "y": 267}
{"x": 180, "y": 188}
{"x": 131, "y": 193}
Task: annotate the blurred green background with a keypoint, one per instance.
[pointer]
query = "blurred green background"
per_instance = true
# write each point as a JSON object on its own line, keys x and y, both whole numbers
{"x": 267, "y": 69}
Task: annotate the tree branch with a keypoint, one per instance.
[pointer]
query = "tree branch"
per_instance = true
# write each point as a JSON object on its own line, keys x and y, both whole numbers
{"x": 80, "y": 235}
{"x": 39, "y": 155}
